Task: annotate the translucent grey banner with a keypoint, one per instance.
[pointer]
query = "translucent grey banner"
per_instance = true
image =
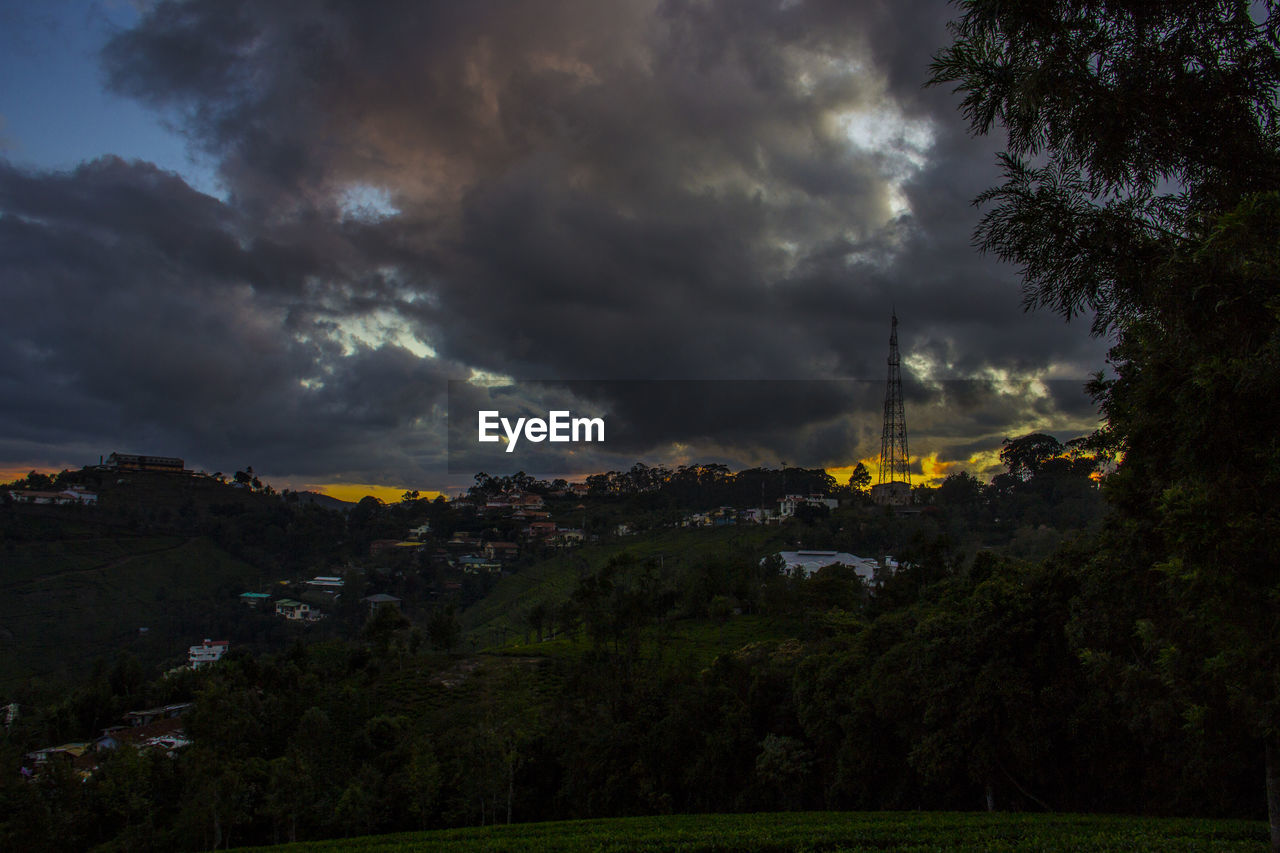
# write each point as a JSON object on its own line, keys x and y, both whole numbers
{"x": 578, "y": 427}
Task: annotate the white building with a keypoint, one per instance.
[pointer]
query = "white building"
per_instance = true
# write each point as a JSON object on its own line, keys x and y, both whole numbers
{"x": 66, "y": 497}
{"x": 210, "y": 651}
{"x": 329, "y": 583}
{"x": 787, "y": 504}
{"x": 808, "y": 562}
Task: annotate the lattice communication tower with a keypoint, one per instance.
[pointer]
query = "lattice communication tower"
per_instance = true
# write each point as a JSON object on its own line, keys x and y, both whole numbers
{"x": 893, "y": 440}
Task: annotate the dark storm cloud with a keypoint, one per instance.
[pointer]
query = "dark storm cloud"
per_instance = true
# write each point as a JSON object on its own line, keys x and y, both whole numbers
{"x": 565, "y": 190}
{"x": 134, "y": 322}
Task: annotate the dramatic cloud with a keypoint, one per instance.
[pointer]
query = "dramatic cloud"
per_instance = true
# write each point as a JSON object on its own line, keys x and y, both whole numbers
{"x": 560, "y": 190}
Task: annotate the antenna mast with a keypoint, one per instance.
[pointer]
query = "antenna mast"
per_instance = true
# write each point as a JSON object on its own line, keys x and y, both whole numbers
{"x": 894, "y": 486}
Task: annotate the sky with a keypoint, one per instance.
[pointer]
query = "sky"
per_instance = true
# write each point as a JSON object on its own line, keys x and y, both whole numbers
{"x": 270, "y": 234}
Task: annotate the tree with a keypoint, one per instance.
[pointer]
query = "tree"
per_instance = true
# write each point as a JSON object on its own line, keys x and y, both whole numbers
{"x": 782, "y": 767}
{"x": 860, "y": 479}
{"x": 443, "y": 629}
{"x": 1025, "y": 456}
{"x": 1119, "y": 103}
{"x": 1154, "y": 203}
{"x": 36, "y": 480}
{"x": 539, "y": 616}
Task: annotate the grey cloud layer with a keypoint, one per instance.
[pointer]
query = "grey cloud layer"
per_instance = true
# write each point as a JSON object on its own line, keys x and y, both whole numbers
{"x": 581, "y": 190}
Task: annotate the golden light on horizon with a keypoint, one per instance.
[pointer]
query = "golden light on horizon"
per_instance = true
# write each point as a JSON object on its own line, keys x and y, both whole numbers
{"x": 353, "y": 492}
{"x": 843, "y": 472}
{"x": 18, "y": 472}
{"x": 934, "y": 470}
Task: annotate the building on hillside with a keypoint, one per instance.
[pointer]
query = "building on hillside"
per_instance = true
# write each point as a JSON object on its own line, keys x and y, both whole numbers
{"x": 806, "y": 563}
{"x": 80, "y": 494}
{"x": 327, "y": 583}
{"x": 39, "y": 497}
{"x": 210, "y": 651}
{"x": 757, "y": 516}
{"x": 568, "y": 536}
{"x": 69, "y": 752}
{"x": 138, "y": 462}
{"x": 495, "y": 505}
{"x": 294, "y": 611}
{"x": 788, "y": 503}
{"x": 500, "y": 550}
{"x": 254, "y": 599}
{"x": 166, "y": 734}
{"x": 476, "y": 564}
{"x": 63, "y": 497}
{"x": 540, "y": 529}
{"x": 164, "y": 712}
{"x": 380, "y": 599}
{"x": 422, "y": 531}
{"x": 895, "y": 494}
{"x": 162, "y": 731}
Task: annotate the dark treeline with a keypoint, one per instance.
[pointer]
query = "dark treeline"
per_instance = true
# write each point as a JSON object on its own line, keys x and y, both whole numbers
{"x": 989, "y": 688}
{"x": 691, "y": 487}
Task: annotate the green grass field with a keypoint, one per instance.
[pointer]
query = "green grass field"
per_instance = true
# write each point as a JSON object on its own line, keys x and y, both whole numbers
{"x": 832, "y": 831}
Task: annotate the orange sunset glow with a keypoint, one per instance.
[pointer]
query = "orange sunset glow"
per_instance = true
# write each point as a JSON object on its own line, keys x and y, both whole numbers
{"x": 353, "y": 492}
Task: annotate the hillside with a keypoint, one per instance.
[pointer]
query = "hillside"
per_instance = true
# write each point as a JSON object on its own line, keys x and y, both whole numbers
{"x": 65, "y": 603}
{"x": 676, "y": 551}
{"x": 68, "y": 601}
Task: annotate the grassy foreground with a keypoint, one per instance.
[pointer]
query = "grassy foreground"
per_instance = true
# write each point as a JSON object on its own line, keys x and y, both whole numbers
{"x": 833, "y": 831}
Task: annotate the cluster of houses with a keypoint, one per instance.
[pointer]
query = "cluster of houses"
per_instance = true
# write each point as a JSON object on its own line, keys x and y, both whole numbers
{"x": 724, "y": 516}
{"x": 466, "y": 552}
{"x": 301, "y": 611}
{"x": 150, "y": 729}
{"x": 469, "y": 554}
{"x": 787, "y": 505}
{"x": 61, "y": 497}
{"x": 290, "y": 609}
{"x": 536, "y": 526}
